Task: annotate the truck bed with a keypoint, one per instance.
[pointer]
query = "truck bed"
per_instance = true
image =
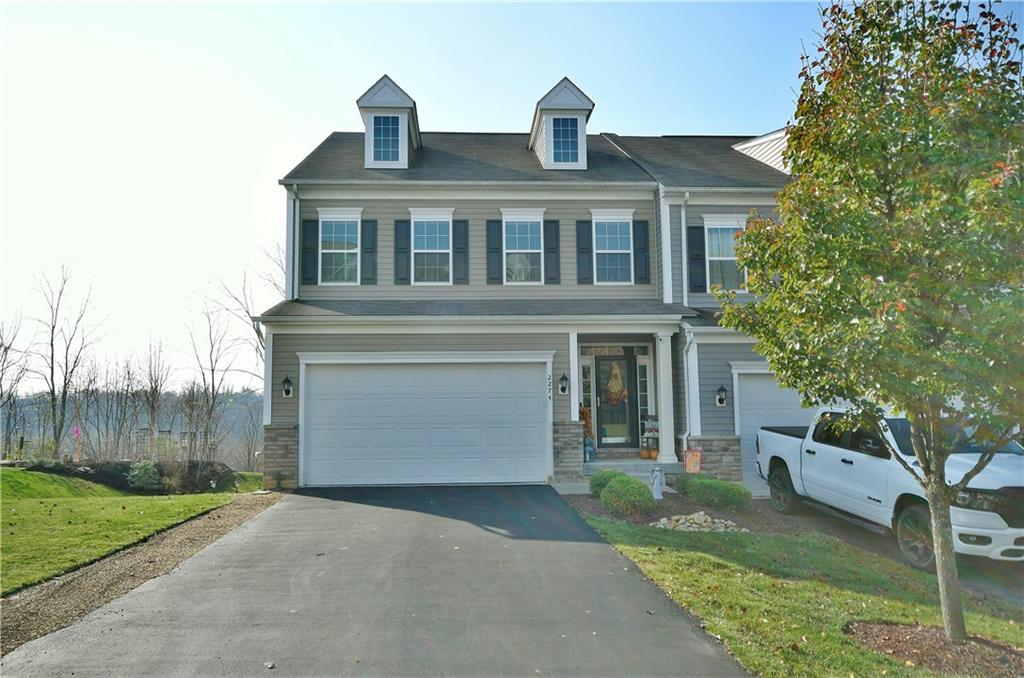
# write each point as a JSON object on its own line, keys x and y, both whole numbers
{"x": 791, "y": 431}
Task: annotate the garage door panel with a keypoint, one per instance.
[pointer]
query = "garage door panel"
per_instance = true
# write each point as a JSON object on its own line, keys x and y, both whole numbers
{"x": 762, "y": 402}
{"x": 395, "y": 424}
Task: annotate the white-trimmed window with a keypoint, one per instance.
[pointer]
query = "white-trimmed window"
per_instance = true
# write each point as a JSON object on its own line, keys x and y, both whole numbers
{"x": 523, "y": 243}
{"x": 431, "y": 246}
{"x": 386, "y": 138}
{"x": 339, "y": 246}
{"x": 565, "y": 140}
{"x": 720, "y": 232}
{"x": 613, "y": 247}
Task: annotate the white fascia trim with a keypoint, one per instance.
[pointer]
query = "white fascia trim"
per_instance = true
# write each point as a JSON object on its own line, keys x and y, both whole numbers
{"x": 665, "y": 232}
{"x": 522, "y": 214}
{"x": 351, "y": 213}
{"x": 750, "y": 367}
{"x": 422, "y": 357}
{"x": 431, "y": 213}
{"x": 268, "y": 377}
{"x": 436, "y": 326}
{"x": 612, "y": 214}
{"x": 717, "y": 335}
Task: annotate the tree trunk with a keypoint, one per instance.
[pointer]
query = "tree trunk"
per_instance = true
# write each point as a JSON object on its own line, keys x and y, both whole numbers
{"x": 945, "y": 565}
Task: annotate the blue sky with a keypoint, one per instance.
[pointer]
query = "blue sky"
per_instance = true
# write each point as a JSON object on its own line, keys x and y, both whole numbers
{"x": 142, "y": 143}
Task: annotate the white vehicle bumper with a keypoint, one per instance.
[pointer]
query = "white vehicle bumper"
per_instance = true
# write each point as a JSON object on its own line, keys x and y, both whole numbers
{"x": 981, "y": 533}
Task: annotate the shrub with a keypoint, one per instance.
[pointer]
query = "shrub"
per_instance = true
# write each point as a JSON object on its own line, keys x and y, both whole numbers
{"x": 599, "y": 480}
{"x": 627, "y": 496}
{"x": 684, "y": 479}
{"x": 718, "y": 494}
{"x": 143, "y": 476}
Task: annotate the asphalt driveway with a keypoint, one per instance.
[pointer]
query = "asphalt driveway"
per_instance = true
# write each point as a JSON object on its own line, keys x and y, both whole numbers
{"x": 392, "y": 581}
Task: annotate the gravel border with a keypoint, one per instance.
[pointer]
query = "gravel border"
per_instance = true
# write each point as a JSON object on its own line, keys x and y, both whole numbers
{"x": 52, "y": 605}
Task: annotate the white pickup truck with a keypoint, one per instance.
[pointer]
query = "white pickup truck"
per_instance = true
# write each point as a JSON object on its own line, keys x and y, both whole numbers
{"x": 854, "y": 471}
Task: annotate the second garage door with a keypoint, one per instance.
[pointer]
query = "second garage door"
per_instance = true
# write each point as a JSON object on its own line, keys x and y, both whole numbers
{"x": 393, "y": 424}
{"x": 762, "y": 402}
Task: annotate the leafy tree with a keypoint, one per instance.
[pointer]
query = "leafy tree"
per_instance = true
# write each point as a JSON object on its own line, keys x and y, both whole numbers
{"x": 895, "y": 273}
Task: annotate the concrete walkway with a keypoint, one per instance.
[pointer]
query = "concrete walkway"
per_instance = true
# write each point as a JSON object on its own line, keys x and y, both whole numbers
{"x": 394, "y": 581}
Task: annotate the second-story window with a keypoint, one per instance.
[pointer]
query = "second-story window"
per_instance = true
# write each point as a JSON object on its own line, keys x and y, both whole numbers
{"x": 432, "y": 250}
{"x": 339, "y": 247}
{"x": 385, "y": 138}
{"x": 524, "y": 245}
{"x": 613, "y": 251}
{"x": 720, "y": 232}
{"x": 565, "y": 139}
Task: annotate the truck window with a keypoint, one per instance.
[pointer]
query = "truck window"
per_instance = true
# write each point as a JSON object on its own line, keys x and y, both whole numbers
{"x": 826, "y": 432}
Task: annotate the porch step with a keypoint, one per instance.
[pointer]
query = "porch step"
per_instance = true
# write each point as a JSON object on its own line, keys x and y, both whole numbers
{"x": 639, "y": 468}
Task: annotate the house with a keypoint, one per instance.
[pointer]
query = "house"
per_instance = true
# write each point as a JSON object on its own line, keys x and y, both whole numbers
{"x": 459, "y": 306}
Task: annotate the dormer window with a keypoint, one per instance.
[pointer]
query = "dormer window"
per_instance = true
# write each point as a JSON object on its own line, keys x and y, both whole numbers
{"x": 392, "y": 126}
{"x": 565, "y": 139}
{"x": 386, "y": 138}
{"x": 558, "y": 135}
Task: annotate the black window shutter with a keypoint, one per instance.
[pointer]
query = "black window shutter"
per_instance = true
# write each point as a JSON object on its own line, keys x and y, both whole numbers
{"x": 696, "y": 275}
{"x": 460, "y": 252}
{"x": 402, "y": 257}
{"x": 641, "y": 252}
{"x": 584, "y": 253}
{"x": 494, "y": 263}
{"x": 310, "y": 251}
{"x": 552, "y": 253}
{"x": 368, "y": 252}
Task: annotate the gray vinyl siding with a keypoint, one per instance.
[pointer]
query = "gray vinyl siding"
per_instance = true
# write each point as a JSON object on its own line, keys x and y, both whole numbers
{"x": 478, "y": 212}
{"x": 695, "y": 218}
{"x": 286, "y": 361}
{"x": 713, "y": 365}
{"x": 679, "y": 382}
{"x": 675, "y": 219}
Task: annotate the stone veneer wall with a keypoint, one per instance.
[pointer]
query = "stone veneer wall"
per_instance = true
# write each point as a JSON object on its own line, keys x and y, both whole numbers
{"x": 568, "y": 447}
{"x": 280, "y": 456}
{"x": 721, "y": 456}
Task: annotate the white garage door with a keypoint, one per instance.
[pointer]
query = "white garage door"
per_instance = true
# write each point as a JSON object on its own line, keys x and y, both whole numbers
{"x": 762, "y": 402}
{"x": 425, "y": 423}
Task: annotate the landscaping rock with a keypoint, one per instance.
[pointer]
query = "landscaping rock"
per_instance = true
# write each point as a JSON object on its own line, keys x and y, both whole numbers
{"x": 697, "y": 522}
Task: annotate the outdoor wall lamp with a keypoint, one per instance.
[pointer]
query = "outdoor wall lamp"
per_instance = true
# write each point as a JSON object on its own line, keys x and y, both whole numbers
{"x": 720, "y": 396}
{"x": 286, "y": 388}
{"x": 563, "y": 384}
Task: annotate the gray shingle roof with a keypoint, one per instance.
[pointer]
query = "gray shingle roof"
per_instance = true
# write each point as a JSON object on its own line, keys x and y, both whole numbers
{"x": 338, "y": 309}
{"x": 470, "y": 156}
{"x": 700, "y": 162}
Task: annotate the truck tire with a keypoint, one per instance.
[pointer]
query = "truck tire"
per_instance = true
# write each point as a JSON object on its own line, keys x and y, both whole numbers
{"x": 914, "y": 536}
{"x": 784, "y": 498}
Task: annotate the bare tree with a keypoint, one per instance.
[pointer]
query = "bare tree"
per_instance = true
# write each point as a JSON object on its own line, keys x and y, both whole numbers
{"x": 214, "y": 352}
{"x": 251, "y": 434}
{"x": 155, "y": 380}
{"x": 107, "y": 404}
{"x": 12, "y": 370}
{"x": 61, "y": 350}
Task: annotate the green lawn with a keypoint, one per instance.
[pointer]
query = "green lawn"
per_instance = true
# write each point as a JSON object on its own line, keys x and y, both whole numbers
{"x": 71, "y": 522}
{"x": 780, "y": 603}
{"x": 19, "y": 484}
{"x": 249, "y": 482}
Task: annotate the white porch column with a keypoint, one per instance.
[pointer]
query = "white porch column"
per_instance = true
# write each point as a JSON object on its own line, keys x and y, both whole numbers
{"x": 666, "y": 413}
{"x": 574, "y": 377}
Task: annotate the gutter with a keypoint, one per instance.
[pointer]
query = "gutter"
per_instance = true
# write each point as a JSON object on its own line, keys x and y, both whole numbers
{"x": 394, "y": 183}
{"x": 686, "y": 384}
{"x": 474, "y": 319}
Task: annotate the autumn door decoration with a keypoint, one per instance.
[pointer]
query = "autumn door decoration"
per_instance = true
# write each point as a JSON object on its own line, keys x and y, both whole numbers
{"x": 615, "y": 392}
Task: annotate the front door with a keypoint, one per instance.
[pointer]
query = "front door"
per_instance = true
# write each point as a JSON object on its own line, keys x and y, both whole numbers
{"x": 616, "y": 421}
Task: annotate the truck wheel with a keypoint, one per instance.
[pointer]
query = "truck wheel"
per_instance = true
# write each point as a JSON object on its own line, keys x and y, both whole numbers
{"x": 914, "y": 536}
{"x": 784, "y": 499}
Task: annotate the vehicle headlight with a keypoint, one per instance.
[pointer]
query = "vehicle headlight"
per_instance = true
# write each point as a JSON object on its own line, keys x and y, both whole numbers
{"x": 977, "y": 500}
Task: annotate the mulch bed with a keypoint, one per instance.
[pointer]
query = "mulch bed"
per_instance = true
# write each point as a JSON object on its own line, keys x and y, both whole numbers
{"x": 760, "y": 517}
{"x": 60, "y": 602}
{"x": 926, "y": 646}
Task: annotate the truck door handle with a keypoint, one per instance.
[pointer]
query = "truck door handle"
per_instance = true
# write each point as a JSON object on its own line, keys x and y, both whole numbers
{"x": 848, "y": 462}
{"x": 810, "y": 452}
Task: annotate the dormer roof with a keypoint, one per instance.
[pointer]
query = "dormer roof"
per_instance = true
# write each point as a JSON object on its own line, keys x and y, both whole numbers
{"x": 565, "y": 96}
{"x": 385, "y": 93}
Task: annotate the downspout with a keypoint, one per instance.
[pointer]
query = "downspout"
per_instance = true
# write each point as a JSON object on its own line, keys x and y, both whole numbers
{"x": 686, "y": 384}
